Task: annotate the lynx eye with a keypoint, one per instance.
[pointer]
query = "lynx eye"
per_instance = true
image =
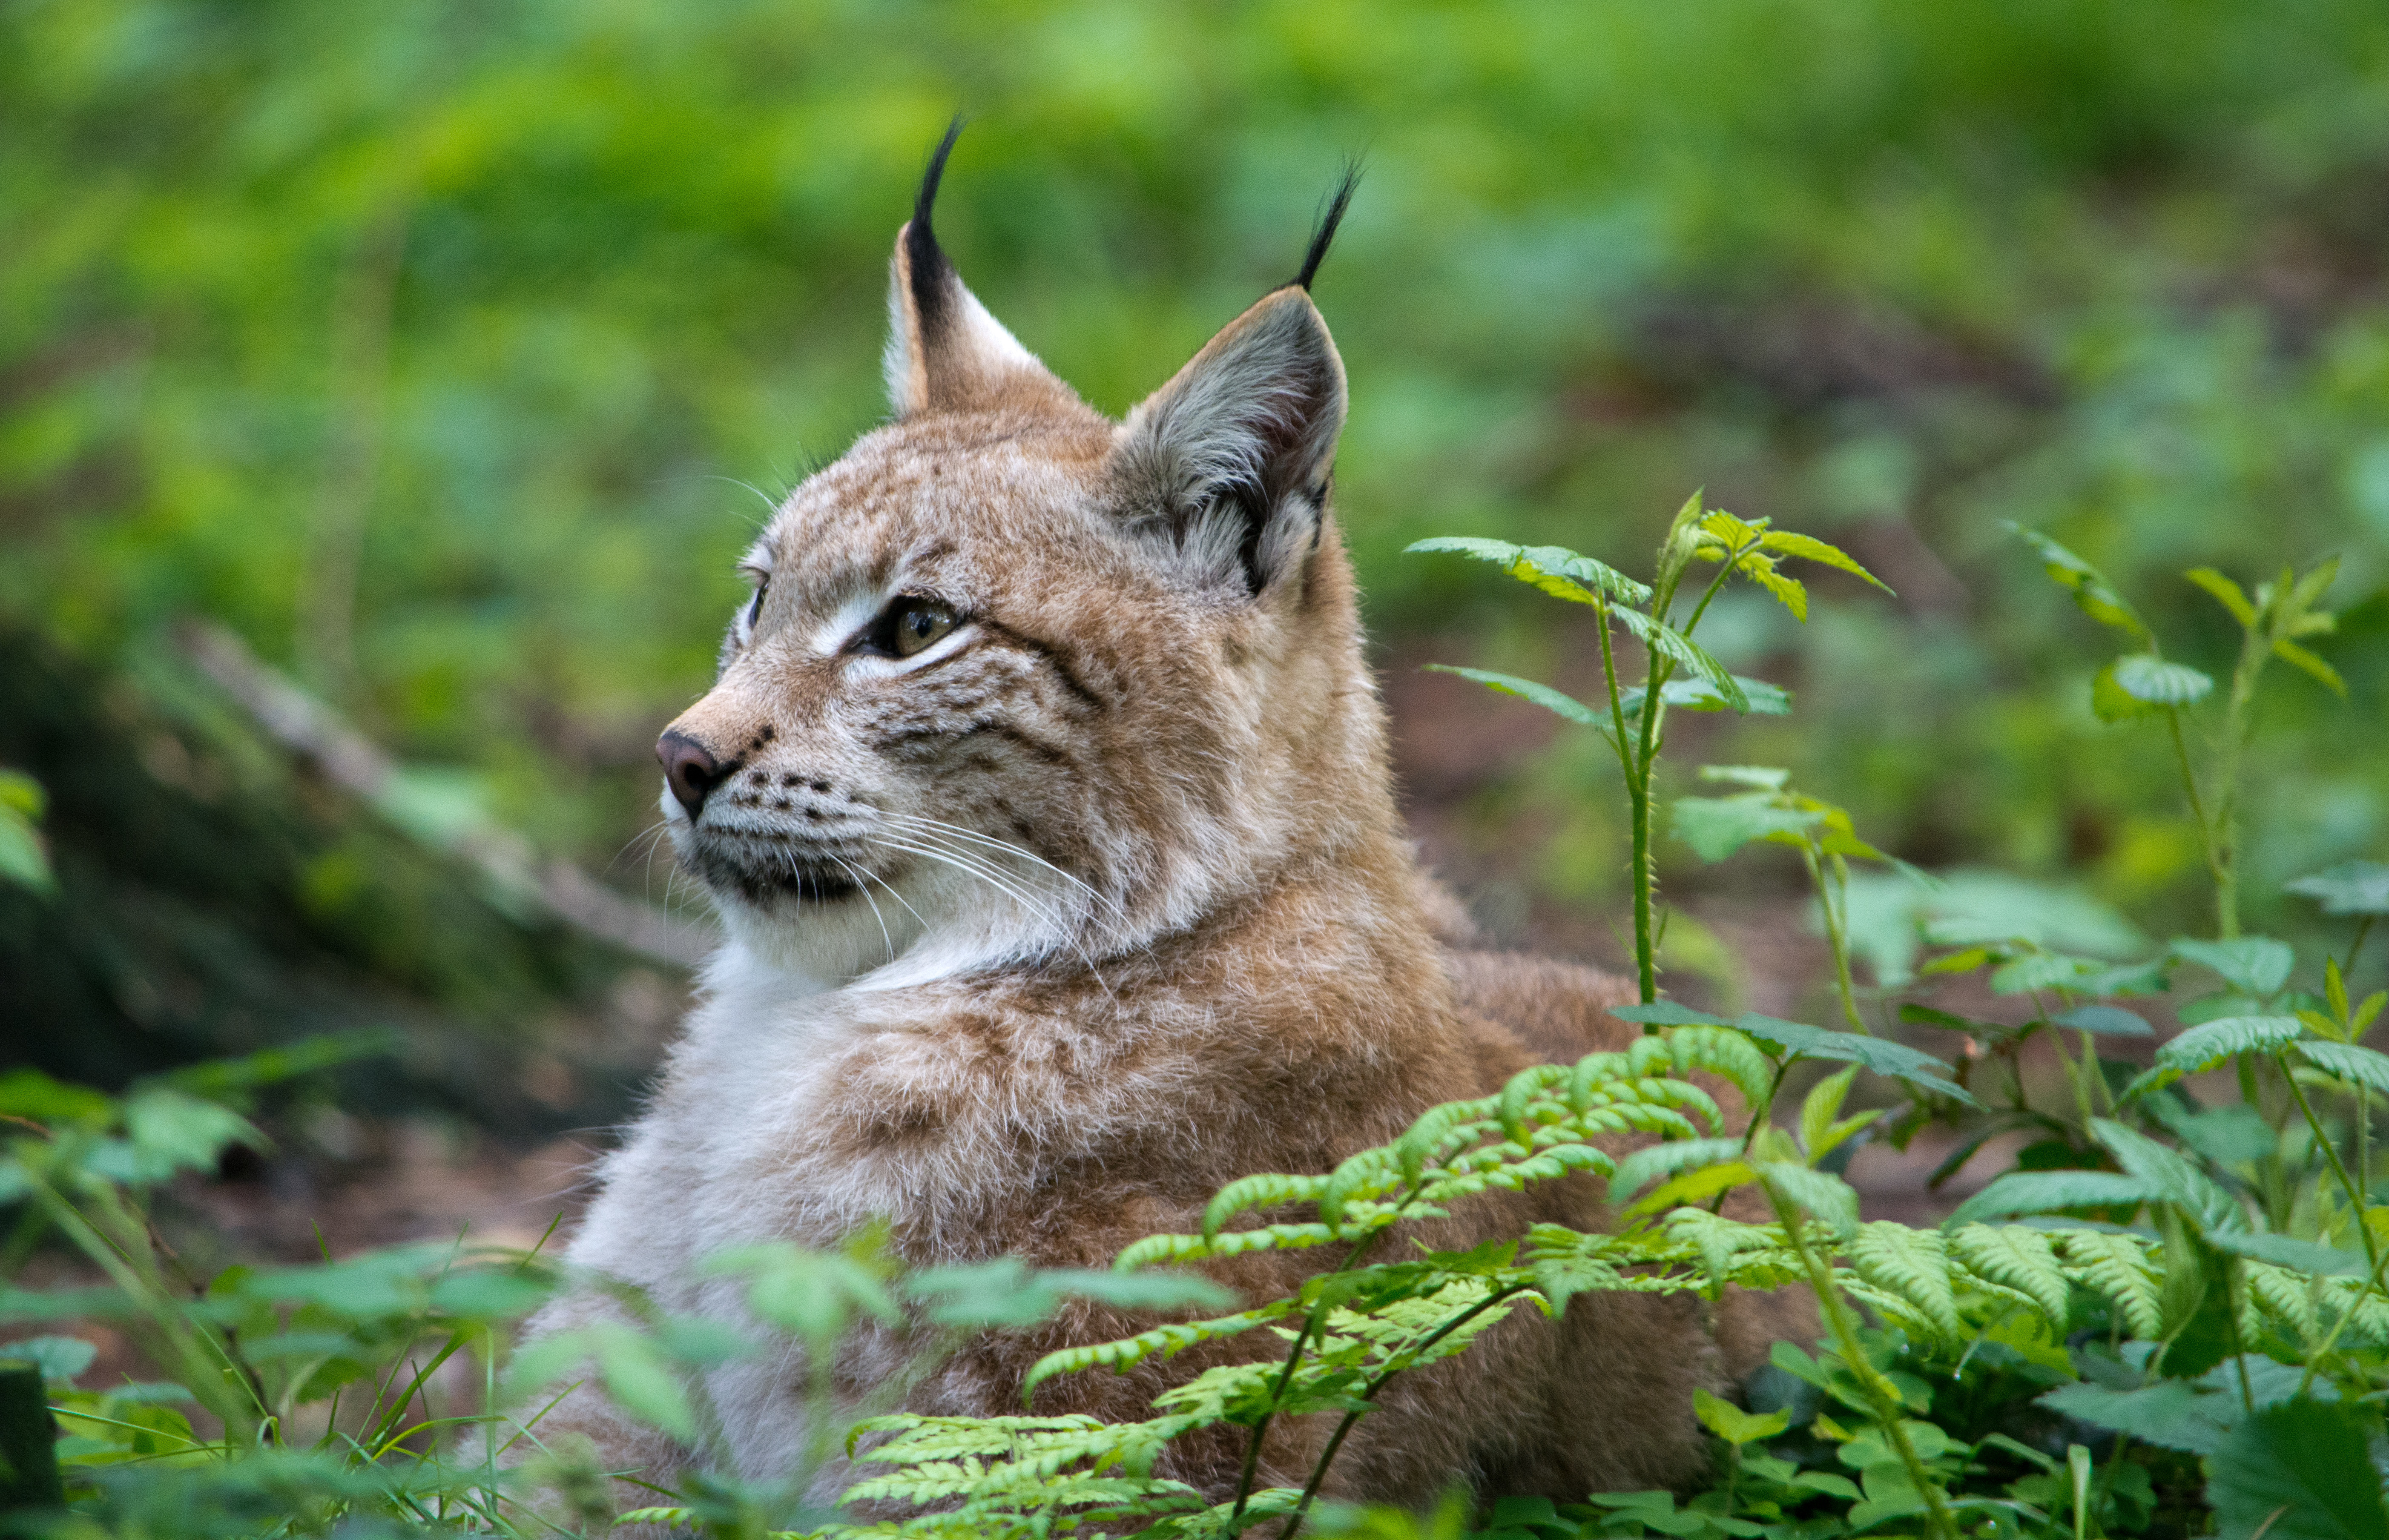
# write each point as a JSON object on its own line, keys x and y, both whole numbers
{"x": 762, "y": 578}
{"x": 910, "y": 625}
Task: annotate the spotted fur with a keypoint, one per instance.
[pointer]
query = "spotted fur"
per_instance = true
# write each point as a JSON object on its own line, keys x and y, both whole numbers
{"x": 1041, "y": 934}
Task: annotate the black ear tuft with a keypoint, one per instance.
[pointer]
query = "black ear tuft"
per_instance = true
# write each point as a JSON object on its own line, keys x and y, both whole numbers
{"x": 1328, "y": 221}
{"x": 923, "y": 256}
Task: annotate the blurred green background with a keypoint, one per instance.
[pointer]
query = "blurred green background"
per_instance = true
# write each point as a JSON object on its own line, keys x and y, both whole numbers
{"x": 450, "y": 352}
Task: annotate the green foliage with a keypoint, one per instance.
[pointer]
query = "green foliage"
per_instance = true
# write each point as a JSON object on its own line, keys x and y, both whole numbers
{"x": 474, "y": 255}
{"x": 24, "y": 859}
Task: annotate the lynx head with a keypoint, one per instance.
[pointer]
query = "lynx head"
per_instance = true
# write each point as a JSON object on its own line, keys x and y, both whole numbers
{"x": 1018, "y": 681}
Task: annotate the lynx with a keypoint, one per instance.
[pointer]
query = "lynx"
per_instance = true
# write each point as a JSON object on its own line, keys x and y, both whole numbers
{"x": 1043, "y": 794}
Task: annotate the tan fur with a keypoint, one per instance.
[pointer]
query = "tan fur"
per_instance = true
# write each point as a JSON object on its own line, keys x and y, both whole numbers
{"x": 1187, "y": 942}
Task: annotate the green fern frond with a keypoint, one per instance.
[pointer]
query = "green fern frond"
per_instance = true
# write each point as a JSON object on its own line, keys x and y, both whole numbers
{"x": 1267, "y": 1190}
{"x": 1717, "y": 1240}
{"x": 2020, "y": 1258}
{"x": 1128, "y": 1352}
{"x": 1913, "y": 1264}
{"x": 2117, "y": 1268}
{"x": 1895, "y": 1307}
{"x": 1725, "y": 1053}
{"x": 1526, "y": 1088}
{"x": 2368, "y": 1325}
{"x": 2286, "y": 1297}
{"x": 1162, "y": 1250}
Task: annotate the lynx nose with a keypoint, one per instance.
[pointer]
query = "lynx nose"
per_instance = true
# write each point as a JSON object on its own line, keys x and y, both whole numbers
{"x": 690, "y": 769}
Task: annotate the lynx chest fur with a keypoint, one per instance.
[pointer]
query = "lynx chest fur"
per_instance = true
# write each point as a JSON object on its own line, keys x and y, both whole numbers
{"x": 1042, "y": 792}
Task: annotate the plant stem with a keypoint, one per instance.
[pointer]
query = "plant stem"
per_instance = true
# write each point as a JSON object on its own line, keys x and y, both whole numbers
{"x": 1638, "y": 796}
{"x": 1886, "y": 1395}
{"x": 2218, "y": 864}
{"x": 2253, "y": 649}
{"x": 1285, "y": 1377}
{"x": 1335, "y": 1440}
{"x": 2331, "y": 1156}
{"x": 2314, "y": 1361}
{"x": 1836, "y": 929}
{"x": 2363, "y": 929}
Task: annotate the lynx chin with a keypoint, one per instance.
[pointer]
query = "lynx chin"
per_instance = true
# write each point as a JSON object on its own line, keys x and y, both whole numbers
{"x": 1042, "y": 791}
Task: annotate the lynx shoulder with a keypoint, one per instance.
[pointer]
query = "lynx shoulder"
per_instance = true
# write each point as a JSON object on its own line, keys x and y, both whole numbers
{"x": 1042, "y": 791}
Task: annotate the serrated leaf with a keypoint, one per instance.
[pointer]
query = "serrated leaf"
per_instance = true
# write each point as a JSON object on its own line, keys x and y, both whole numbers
{"x": 2210, "y": 1044}
{"x": 2154, "y": 681}
{"x": 2179, "y": 1181}
{"x": 2022, "y": 1259}
{"x": 2110, "y": 1020}
{"x": 2351, "y": 1061}
{"x": 2054, "y": 1191}
{"x": 2093, "y": 593}
{"x": 1914, "y": 1264}
{"x": 1821, "y": 1192}
{"x": 1556, "y": 570}
{"x": 2111, "y": 703}
{"x": 1732, "y": 1424}
{"x": 1764, "y": 778}
{"x": 2299, "y": 1469}
{"x": 1819, "y": 1108}
{"x": 1789, "y": 591}
{"x": 1541, "y": 694}
{"x": 1717, "y": 826}
{"x": 1667, "y": 1159}
{"x": 1698, "y": 695}
{"x": 1894, "y": 1061}
{"x": 1669, "y": 642}
{"x": 2171, "y": 1414}
{"x": 2310, "y": 663}
{"x": 2227, "y": 593}
{"x": 2287, "y": 1251}
{"x": 2258, "y": 965}
{"x": 1809, "y": 548}
{"x": 2351, "y": 887}
{"x": 2116, "y": 1266}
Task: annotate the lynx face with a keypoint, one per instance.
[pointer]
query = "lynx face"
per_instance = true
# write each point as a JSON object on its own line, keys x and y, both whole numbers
{"x": 1017, "y": 680}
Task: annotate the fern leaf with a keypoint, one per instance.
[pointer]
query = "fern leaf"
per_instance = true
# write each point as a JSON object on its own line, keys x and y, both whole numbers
{"x": 1821, "y": 1192}
{"x": 1265, "y": 1190}
{"x": 1128, "y": 1352}
{"x": 2115, "y": 1268}
{"x": 1726, "y": 1053}
{"x": 1369, "y": 1174}
{"x": 1647, "y": 1056}
{"x": 1162, "y": 1250}
{"x": 1592, "y": 1072}
{"x": 2021, "y": 1259}
{"x": 2368, "y": 1322}
{"x": 1524, "y": 1088}
{"x": 1895, "y": 1307}
{"x": 2286, "y": 1297}
{"x": 1914, "y": 1264}
{"x": 1719, "y": 1241}
{"x": 1637, "y": 1170}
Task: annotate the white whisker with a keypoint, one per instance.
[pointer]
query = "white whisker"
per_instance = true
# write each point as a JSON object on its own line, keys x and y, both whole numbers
{"x": 864, "y": 888}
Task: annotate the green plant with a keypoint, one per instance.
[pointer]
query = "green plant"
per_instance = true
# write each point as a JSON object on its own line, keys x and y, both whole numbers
{"x": 2171, "y": 1312}
{"x": 1632, "y": 717}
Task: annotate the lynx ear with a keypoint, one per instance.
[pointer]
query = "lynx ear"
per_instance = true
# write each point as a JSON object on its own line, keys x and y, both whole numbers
{"x": 945, "y": 352}
{"x": 1230, "y": 461}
